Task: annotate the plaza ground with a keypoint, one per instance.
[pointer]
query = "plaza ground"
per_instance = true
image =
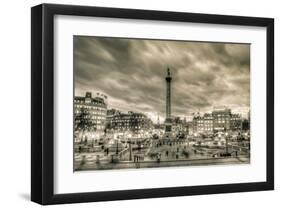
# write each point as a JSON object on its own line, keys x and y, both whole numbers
{"x": 104, "y": 165}
{"x": 159, "y": 153}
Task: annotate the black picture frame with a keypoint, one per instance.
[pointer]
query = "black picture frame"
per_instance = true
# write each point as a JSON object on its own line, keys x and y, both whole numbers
{"x": 42, "y": 103}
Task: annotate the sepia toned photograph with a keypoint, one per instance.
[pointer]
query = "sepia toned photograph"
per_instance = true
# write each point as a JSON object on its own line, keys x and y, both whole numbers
{"x": 143, "y": 103}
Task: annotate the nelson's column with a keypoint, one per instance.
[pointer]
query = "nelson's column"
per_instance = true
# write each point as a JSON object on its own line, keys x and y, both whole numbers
{"x": 168, "y": 121}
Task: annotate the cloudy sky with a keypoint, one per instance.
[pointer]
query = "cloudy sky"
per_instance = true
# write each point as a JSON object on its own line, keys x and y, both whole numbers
{"x": 131, "y": 72}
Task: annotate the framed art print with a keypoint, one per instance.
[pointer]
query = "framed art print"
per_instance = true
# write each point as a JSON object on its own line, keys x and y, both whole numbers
{"x": 130, "y": 104}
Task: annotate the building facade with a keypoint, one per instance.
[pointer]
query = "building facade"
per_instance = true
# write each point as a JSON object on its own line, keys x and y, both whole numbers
{"x": 90, "y": 113}
{"x": 202, "y": 124}
{"x": 129, "y": 122}
{"x": 235, "y": 122}
{"x": 219, "y": 120}
{"x": 208, "y": 123}
{"x": 109, "y": 118}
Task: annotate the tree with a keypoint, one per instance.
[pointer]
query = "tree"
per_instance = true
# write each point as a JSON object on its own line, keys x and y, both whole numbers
{"x": 83, "y": 121}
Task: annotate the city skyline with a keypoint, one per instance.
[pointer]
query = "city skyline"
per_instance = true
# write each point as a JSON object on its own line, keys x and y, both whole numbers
{"x": 188, "y": 116}
{"x": 131, "y": 72}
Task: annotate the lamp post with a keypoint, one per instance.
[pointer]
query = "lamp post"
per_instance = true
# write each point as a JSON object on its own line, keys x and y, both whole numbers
{"x": 226, "y": 143}
{"x": 130, "y": 149}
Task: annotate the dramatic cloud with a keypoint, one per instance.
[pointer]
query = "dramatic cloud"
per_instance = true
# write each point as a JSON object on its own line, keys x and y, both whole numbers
{"x": 131, "y": 72}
